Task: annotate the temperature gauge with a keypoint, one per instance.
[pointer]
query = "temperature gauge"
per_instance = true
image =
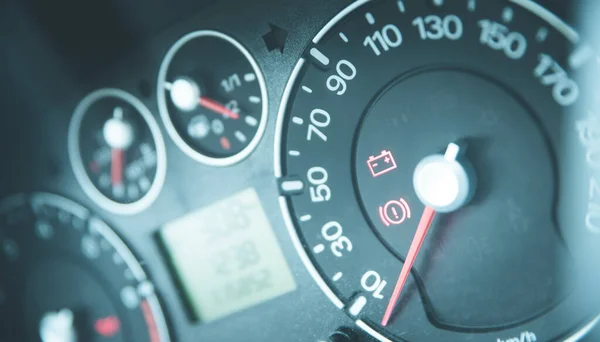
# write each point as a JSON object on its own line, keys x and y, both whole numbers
{"x": 117, "y": 151}
{"x": 212, "y": 98}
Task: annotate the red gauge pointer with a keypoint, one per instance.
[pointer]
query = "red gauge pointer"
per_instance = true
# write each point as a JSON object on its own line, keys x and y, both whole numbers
{"x": 186, "y": 95}
{"x": 218, "y": 108}
{"x": 118, "y": 134}
{"x": 443, "y": 185}
{"x": 415, "y": 246}
{"x": 117, "y": 161}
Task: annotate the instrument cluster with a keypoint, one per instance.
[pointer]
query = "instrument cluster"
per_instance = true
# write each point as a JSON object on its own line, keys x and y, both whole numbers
{"x": 384, "y": 170}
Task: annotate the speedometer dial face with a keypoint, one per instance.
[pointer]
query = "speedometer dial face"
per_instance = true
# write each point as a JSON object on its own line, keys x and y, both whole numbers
{"x": 66, "y": 276}
{"x": 452, "y": 116}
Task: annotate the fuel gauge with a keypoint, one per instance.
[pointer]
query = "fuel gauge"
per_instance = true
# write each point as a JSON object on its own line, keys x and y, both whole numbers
{"x": 117, "y": 151}
{"x": 212, "y": 98}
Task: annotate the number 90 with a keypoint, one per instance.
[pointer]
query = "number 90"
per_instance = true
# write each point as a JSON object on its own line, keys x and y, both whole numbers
{"x": 346, "y": 71}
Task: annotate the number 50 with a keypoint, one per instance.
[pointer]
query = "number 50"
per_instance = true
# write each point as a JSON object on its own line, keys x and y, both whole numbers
{"x": 320, "y": 191}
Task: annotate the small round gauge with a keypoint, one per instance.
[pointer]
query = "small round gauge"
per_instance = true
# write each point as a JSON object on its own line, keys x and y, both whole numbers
{"x": 212, "y": 98}
{"x": 117, "y": 151}
{"x": 66, "y": 276}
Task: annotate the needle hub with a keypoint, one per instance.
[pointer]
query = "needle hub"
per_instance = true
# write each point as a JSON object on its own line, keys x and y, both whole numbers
{"x": 58, "y": 326}
{"x": 118, "y": 133}
{"x": 184, "y": 94}
{"x": 444, "y": 183}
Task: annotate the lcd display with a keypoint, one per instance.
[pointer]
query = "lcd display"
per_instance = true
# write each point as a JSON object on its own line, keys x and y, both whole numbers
{"x": 226, "y": 257}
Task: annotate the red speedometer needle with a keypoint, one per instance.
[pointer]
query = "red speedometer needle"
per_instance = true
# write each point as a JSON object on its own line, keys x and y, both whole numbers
{"x": 216, "y": 107}
{"x": 415, "y": 246}
{"x": 116, "y": 165}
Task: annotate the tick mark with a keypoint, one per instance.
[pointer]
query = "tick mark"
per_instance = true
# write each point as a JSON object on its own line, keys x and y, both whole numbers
{"x": 507, "y": 14}
{"x": 580, "y": 56}
{"x": 319, "y": 56}
{"x": 297, "y": 120}
{"x": 318, "y": 249}
{"x": 251, "y": 121}
{"x": 294, "y": 153}
{"x": 337, "y": 276}
{"x": 145, "y": 289}
{"x": 240, "y": 136}
{"x": 370, "y": 18}
{"x": 358, "y": 305}
{"x": 250, "y": 77}
{"x": 343, "y": 37}
{"x": 541, "y": 35}
{"x": 307, "y": 89}
{"x": 117, "y": 259}
{"x": 305, "y": 218}
{"x": 471, "y": 5}
{"x": 254, "y": 99}
{"x": 401, "y": 7}
{"x": 225, "y": 143}
{"x": 292, "y": 186}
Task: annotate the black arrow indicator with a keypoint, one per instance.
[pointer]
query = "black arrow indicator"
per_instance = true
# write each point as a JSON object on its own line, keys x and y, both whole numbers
{"x": 275, "y": 39}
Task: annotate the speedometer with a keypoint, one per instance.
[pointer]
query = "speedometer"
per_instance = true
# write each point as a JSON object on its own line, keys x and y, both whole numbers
{"x": 421, "y": 157}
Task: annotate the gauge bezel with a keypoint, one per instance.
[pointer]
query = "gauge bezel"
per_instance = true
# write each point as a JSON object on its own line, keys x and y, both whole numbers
{"x": 104, "y": 230}
{"x": 77, "y": 163}
{"x": 164, "y": 111}
{"x": 529, "y": 5}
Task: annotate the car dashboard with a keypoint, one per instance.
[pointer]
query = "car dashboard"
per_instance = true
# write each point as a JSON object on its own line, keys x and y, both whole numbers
{"x": 319, "y": 171}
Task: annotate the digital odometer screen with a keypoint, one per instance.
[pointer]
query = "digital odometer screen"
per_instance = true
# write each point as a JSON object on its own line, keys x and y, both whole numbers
{"x": 227, "y": 257}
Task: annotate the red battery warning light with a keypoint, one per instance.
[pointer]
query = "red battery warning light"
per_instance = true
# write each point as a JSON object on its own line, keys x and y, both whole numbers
{"x": 381, "y": 164}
